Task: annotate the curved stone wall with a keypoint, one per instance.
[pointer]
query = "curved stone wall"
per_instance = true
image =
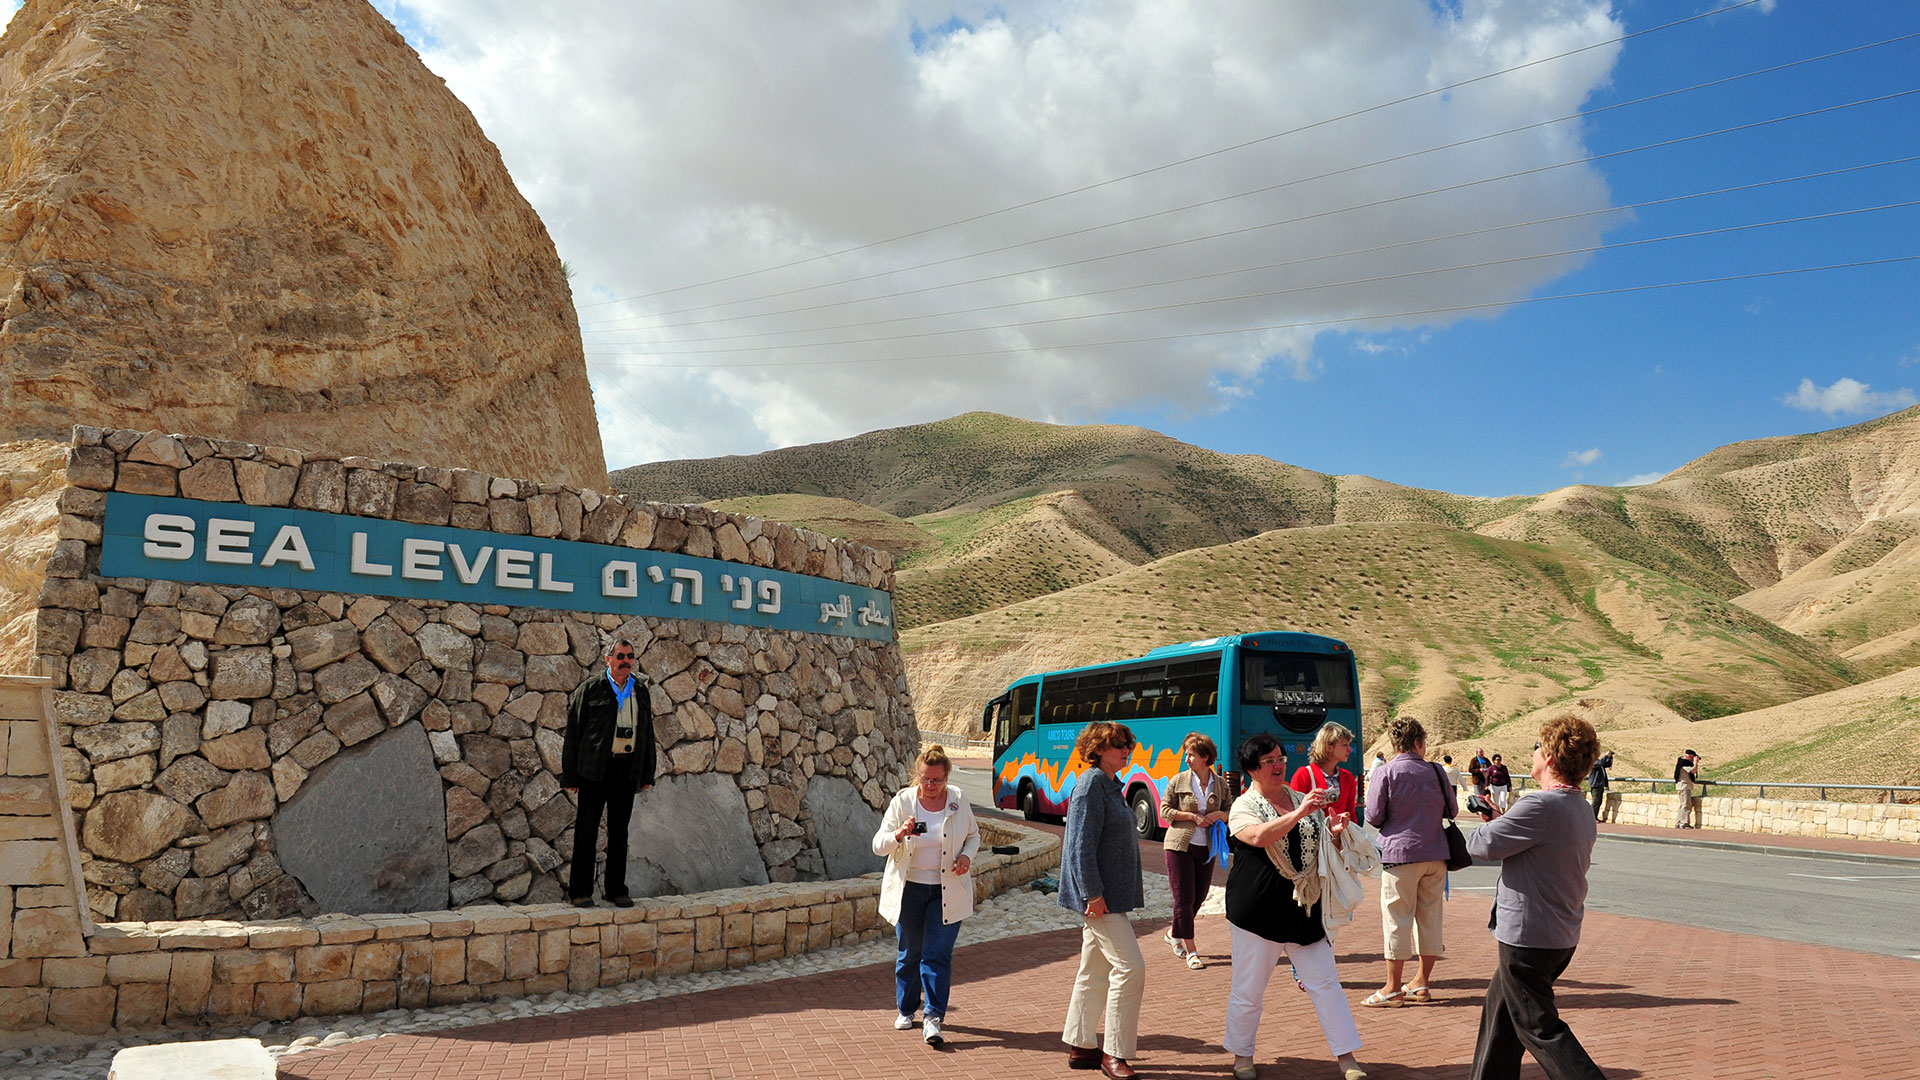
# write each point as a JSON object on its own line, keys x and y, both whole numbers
{"x": 257, "y": 751}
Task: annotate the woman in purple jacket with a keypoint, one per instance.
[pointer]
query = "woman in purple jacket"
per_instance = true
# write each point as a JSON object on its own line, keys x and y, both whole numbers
{"x": 1408, "y": 800}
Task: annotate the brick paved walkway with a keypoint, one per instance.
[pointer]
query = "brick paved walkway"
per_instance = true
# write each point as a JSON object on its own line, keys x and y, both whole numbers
{"x": 1648, "y": 999}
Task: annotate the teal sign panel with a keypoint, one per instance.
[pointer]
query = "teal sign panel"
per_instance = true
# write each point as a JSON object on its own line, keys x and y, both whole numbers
{"x": 217, "y": 543}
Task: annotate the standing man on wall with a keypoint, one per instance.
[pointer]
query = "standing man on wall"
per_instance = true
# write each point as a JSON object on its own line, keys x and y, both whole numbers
{"x": 608, "y": 758}
{"x": 1685, "y": 773}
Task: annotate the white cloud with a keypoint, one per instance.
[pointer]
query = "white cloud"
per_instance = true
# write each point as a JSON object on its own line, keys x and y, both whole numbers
{"x": 1847, "y": 396}
{"x": 668, "y": 144}
{"x": 1912, "y": 357}
{"x": 1642, "y": 479}
{"x": 1580, "y": 459}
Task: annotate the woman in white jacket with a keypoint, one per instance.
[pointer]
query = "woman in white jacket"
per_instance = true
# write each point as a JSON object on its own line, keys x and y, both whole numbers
{"x": 929, "y": 838}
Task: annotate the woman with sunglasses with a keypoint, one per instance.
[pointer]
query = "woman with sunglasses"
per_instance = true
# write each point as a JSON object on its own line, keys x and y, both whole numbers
{"x": 1273, "y": 906}
{"x": 1100, "y": 881}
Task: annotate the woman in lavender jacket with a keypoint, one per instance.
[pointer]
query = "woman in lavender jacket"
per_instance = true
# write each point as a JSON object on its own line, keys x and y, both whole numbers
{"x": 1408, "y": 800}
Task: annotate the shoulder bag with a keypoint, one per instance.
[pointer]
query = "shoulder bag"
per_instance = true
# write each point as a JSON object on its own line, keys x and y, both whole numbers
{"x": 1458, "y": 858}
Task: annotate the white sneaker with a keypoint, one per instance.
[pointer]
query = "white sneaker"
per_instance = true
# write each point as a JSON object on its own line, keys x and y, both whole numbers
{"x": 903, "y": 1022}
{"x": 934, "y": 1036}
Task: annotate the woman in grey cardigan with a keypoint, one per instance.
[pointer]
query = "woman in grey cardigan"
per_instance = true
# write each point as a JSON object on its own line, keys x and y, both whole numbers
{"x": 1100, "y": 880}
{"x": 1544, "y": 845}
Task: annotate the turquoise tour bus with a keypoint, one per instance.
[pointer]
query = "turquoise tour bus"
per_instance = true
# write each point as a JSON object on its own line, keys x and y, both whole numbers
{"x": 1226, "y": 688}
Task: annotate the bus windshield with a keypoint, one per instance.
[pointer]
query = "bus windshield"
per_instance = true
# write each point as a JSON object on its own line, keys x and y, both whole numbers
{"x": 1296, "y": 678}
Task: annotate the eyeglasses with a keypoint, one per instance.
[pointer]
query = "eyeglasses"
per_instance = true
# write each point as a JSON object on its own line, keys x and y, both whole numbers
{"x": 1270, "y": 762}
{"x": 623, "y": 656}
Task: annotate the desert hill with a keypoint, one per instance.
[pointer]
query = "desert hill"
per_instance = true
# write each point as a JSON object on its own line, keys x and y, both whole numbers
{"x": 1451, "y": 625}
{"x": 1764, "y": 573}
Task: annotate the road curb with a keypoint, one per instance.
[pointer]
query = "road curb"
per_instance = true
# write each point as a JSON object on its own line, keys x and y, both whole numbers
{"x": 1764, "y": 849}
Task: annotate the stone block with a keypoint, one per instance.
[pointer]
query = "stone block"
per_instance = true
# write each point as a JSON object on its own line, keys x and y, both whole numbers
{"x": 666, "y": 859}
{"x": 449, "y": 961}
{"x": 277, "y": 1001}
{"x": 241, "y": 751}
{"x": 252, "y": 965}
{"x": 88, "y": 1011}
{"x": 366, "y": 832}
{"x": 845, "y": 824}
{"x": 140, "y": 1007}
{"x": 33, "y": 862}
{"x": 332, "y": 998}
{"x": 376, "y": 960}
{"x": 248, "y": 796}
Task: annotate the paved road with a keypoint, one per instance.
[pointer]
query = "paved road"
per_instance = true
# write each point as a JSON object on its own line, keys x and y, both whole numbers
{"x": 1869, "y": 906}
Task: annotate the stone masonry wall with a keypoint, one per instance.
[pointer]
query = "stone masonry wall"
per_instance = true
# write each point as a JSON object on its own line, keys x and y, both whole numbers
{"x": 1778, "y": 817}
{"x": 190, "y": 716}
{"x": 142, "y": 976}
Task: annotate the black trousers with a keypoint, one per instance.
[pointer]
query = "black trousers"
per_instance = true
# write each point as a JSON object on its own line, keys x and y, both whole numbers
{"x": 615, "y": 796}
{"x": 1519, "y": 1014}
{"x": 1599, "y": 801}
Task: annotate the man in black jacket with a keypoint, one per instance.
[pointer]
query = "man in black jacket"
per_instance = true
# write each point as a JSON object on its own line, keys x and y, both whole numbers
{"x": 607, "y": 758}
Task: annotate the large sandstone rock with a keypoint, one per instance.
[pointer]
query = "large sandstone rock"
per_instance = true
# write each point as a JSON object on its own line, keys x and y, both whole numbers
{"x": 267, "y": 220}
{"x": 367, "y": 831}
{"x": 31, "y": 474}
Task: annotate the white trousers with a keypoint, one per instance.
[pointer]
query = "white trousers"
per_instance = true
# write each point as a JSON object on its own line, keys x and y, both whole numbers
{"x": 1254, "y": 959}
{"x": 1113, "y": 974}
{"x": 1502, "y": 795}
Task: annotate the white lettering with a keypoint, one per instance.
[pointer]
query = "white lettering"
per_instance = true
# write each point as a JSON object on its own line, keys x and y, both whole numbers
{"x": 169, "y": 536}
{"x": 360, "y": 564}
{"x": 547, "y": 583}
{"x": 469, "y": 574}
{"x": 228, "y": 541}
{"x": 513, "y": 569}
{"x": 420, "y": 559}
{"x": 769, "y": 598}
{"x": 289, "y": 545}
{"x": 681, "y": 579}
{"x": 620, "y": 578}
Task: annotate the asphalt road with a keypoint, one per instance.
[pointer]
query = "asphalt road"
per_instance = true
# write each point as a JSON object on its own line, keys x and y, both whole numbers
{"x": 1868, "y": 906}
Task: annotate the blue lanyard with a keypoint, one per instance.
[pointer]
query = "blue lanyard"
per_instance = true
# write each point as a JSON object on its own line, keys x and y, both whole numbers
{"x": 620, "y": 694}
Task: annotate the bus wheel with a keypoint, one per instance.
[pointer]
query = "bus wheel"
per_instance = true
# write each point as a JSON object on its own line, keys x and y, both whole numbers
{"x": 1145, "y": 821}
{"x": 1029, "y": 802}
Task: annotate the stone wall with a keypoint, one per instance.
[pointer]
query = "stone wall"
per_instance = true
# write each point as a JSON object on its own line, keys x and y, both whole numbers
{"x": 224, "y": 746}
{"x": 1778, "y": 817}
{"x": 139, "y": 976}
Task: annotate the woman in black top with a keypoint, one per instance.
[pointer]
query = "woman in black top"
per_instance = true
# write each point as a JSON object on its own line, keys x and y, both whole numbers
{"x": 1273, "y": 906}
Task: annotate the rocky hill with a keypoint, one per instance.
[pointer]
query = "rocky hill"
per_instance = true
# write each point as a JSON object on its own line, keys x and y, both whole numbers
{"x": 267, "y": 220}
{"x": 1761, "y": 574}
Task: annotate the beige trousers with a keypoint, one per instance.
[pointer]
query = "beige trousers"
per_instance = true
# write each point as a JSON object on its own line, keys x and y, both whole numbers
{"x": 1112, "y": 972}
{"x": 1682, "y": 817}
{"x": 1412, "y": 906}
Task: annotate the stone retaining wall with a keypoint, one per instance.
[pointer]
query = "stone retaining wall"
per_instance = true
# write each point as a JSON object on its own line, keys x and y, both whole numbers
{"x": 140, "y": 976}
{"x": 1778, "y": 817}
{"x": 198, "y": 721}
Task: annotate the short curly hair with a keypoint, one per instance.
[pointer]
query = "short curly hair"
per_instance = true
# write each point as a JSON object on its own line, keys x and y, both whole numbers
{"x": 1101, "y": 735}
{"x": 1404, "y": 733}
{"x": 1572, "y": 744}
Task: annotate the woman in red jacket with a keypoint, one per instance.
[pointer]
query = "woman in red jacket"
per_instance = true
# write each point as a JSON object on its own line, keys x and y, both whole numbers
{"x": 1331, "y": 745}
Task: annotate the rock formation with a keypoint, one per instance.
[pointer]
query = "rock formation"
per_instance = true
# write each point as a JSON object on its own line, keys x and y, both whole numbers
{"x": 268, "y": 221}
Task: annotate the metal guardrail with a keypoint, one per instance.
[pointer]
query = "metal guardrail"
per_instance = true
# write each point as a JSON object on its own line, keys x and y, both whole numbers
{"x": 1653, "y": 785}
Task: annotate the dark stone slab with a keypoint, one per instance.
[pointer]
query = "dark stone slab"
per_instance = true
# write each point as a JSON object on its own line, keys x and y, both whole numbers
{"x": 690, "y": 834}
{"x": 368, "y": 830}
{"x": 845, "y": 825}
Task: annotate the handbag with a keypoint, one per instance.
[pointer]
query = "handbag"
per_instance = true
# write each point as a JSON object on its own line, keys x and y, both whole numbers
{"x": 1341, "y": 890}
{"x": 1458, "y": 857}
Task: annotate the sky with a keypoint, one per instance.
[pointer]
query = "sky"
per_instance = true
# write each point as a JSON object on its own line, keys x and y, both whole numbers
{"x": 1444, "y": 243}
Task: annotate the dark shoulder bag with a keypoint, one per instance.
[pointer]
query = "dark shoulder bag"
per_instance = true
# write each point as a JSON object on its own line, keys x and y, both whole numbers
{"x": 1458, "y": 858}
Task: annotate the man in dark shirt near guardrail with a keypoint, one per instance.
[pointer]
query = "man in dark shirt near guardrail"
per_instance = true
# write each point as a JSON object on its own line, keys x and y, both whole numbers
{"x": 1544, "y": 845}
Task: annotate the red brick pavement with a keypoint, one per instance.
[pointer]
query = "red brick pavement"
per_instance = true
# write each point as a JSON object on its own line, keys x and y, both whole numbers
{"x": 1648, "y": 999}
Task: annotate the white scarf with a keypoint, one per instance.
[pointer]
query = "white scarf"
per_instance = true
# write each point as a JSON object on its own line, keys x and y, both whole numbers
{"x": 1306, "y": 876}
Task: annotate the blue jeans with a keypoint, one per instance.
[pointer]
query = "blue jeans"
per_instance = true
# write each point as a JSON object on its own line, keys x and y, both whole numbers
{"x": 925, "y": 960}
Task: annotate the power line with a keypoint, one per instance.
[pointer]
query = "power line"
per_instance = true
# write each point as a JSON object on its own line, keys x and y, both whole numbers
{"x": 1377, "y": 249}
{"x": 620, "y": 401}
{"x": 1226, "y": 198}
{"x": 1270, "y": 293}
{"x": 1441, "y": 90}
{"x": 1342, "y": 320}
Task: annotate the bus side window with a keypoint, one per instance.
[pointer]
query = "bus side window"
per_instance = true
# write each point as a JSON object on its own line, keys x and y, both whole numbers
{"x": 1024, "y": 700}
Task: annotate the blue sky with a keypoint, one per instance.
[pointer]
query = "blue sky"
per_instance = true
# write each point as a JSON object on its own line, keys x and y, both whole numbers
{"x": 683, "y": 157}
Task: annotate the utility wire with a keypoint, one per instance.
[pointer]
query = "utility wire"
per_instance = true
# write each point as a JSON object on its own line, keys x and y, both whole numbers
{"x": 1341, "y": 320}
{"x": 1244, "y": 194}
{"x": 620, "y": 401}
{"x": 1436, "y": 91}
{"x": 1467, "y": 234}
{"x": 1270, "y": 293}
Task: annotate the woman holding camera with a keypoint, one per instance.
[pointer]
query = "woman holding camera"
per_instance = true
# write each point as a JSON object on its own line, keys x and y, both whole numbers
{"x": 929, "y": 838}
{"x": 1544, "y": 846}
{"x": 1273, "y": 906}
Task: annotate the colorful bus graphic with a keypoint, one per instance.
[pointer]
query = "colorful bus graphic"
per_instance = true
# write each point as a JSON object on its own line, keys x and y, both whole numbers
{"x": 1227, "y": 688}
